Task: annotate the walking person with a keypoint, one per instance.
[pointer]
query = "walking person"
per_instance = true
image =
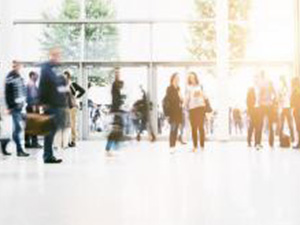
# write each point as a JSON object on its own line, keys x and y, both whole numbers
{"x": 76, "y": 92}
{"x": 52, "y": 94}
{"x": 15, "y": 96}
{"x": 118, "y": 99}
{"x": 285, "y": 108}
{"x": 31, "y": 141}
{"x": 266, "y": 101}
{"x": 295, "y": 105}
{"x": 252, "y": 109}
{"x": 195, "y": 103}
{"x": 173, "y": 101}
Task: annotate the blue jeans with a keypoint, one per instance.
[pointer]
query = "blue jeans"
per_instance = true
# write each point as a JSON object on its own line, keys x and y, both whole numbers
{"x": 17, "y": 128}
{"x": 58, "y": 122}
{"x": 173, "y": 133}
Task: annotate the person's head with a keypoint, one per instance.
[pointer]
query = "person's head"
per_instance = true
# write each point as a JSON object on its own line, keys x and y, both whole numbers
{"x": 55, "y": 55}
{"x": 117, "y": 74}
{"x": 33, "y": 76}
{"x": 68, "y": 76}
{"x": 16, "y": 65}
{"x": 174, "y": 80}
{"x": 193, "y": 79}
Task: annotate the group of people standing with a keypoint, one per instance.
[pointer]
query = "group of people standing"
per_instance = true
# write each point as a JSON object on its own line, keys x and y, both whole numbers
{"x": 265, "y": 103}
{"x": 51, "y": 94}
{"x": 195, "y": 102}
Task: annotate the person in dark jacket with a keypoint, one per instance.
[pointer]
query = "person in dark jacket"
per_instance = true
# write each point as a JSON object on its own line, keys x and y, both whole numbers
{"x": 118, "y": 98}
{"x": 75, "y": 92}
{"x": 295, "y": 105}
{"x": 175, "y": 115}
{"x": 32, "y": 107}
{"x": 15, "y": 96}
{"x": 52, "y": 95}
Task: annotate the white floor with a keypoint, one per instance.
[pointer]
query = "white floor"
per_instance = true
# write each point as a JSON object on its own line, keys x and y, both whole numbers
{"x": 144, "y": 184}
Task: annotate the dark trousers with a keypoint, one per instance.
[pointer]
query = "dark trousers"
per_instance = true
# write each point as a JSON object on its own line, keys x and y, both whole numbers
{"x": 116, "y": 133}
{"x": 297, "y": 122}
{"x": 263, "y": 113}
{"x": 31, "y": 140}
{"x": 286, "y": 114}
{"x": 253, "y": 126}
{"x": 197, "y": 117}
{"x": 17, "y": 128}
{"x": 58, "y": 122}
{"x": 173, "y": 133}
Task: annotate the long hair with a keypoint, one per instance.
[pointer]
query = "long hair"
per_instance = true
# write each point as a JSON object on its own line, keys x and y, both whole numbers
{"x": 174, "y": 75}
{"x": 194, "y": 74}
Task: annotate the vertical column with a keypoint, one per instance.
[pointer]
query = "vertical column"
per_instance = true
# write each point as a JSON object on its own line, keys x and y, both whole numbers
{"x": 152, "y": 85}
{"x": 84, "y": 115}
{"x": 297, "y": 38}
{"x": 222, "y": 122}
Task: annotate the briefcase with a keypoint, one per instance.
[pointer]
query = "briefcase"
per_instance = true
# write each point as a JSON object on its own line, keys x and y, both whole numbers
{"x": 38, "y": 124}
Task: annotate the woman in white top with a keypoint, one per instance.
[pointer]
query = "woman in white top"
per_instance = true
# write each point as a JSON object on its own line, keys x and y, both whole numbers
{"x": 195, "y": 103}
{"x": 285, "y": 106}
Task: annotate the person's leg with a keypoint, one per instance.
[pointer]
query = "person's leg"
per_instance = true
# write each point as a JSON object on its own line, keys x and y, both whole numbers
{"x": 290, "y": 123}
{"x": 17, "y": 129}
{"x": 194, "y": 128}
{"x": 270, "y": 126}
{"x": 251, "y": 126}
{"x": 172, "y": 138}
{"x": 49, "y": 139}
{"x": 201, "y": 127}
{"x": 28, "y": 138}
{"x": 259, "y": 125}
{"x": 73, "y": 118}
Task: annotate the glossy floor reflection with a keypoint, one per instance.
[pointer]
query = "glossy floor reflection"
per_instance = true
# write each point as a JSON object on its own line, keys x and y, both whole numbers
{"x": 144, "y": 184}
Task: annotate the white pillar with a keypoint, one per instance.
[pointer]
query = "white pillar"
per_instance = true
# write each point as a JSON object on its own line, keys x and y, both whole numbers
{"x": 297, "y": 38}
{"x": 222, "y": 123}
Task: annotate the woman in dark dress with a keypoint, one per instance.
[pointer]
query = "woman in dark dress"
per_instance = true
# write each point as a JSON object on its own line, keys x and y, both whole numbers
{"x": 175, "y": 112}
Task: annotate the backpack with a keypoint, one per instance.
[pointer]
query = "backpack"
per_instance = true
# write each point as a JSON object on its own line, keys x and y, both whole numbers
{"x": 285, "y": 141}
{"x": 166, "y": 106}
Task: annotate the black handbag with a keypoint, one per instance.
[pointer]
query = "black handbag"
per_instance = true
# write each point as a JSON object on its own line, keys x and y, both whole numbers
{"x": 208, "y": 108}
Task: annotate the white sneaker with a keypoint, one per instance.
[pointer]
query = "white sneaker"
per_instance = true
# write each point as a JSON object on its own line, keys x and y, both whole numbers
{"x": 109, "y": 154}
{"x": 172, "y": 150}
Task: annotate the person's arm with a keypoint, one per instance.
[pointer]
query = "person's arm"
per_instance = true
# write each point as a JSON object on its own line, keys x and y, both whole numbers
{"x": 9, "y": 95}
{"x": 78, "y": 89}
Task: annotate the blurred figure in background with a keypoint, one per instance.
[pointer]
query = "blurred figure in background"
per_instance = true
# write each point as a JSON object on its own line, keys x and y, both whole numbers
{"x": 52, "y": 94}
{"x": 266, "y": 100}
{"x": 172, "y": 105}
{"x": 141, "y": 109}
{"x": 295, "y": 105}
{"x": 76, "y": 92}
{"x": 237, "y": 120}
{"x": 252, "y": 111}
{"x": 195, "y": 103}
{"x": 15, "y": 96}
{"x": 31, "y": 141}
{"x": 285, "y": 108}
{"x": 118, "y": 100}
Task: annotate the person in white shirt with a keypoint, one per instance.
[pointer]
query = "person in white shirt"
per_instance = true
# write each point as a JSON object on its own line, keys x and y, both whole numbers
{"x": 195, "y": 103}
{"x": 285, "y": 107}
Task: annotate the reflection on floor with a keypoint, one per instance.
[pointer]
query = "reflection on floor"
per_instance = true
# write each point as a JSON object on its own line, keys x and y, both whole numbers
{"x": 143, "y": 184}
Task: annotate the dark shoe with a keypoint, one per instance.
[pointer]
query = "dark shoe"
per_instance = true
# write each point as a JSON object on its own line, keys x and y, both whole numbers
{"x": 72, "y": 145}
{"x": 28, "y": 146}
{"x": 37, "y": 146}
{"x": 4, "y": 144}
{"x": 53, "y": 160}
{"x": 297, "y": 147}
{"x": 22, "y": 154}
